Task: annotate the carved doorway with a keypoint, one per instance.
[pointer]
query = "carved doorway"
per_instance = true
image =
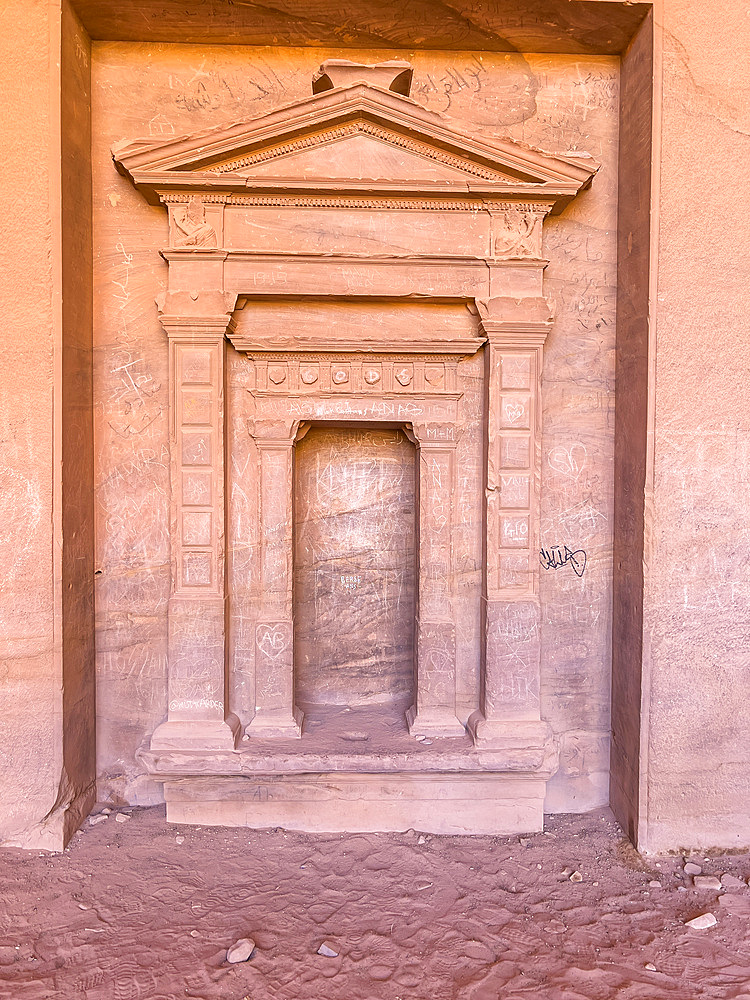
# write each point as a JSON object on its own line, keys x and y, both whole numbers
{"x": 355, "y": 571}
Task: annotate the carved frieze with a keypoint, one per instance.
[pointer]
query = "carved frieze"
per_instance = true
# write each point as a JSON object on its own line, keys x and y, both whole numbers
{"x": 312, "y": 374}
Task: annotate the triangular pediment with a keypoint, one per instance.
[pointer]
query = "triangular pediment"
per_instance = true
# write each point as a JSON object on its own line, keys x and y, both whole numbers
{"x": 347, "y": 136}
{"x": 360, "y": 151}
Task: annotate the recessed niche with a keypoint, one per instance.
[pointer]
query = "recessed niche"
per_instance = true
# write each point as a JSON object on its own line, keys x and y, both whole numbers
{"x": 355, "y": 567}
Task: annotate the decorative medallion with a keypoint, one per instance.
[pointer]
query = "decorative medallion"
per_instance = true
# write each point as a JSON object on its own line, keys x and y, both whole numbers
{"x": 434, "y": 374}
{"x": 371, "y": 375}
{"x": 277, "y": 374}
{"x": 405, "y": 374}
{"x": 309, "y": 374}
{"x": 340, "y": 375}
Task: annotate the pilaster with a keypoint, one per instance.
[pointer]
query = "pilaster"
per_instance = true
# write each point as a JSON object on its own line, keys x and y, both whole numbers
{"x": 197, "y": 710}
{"x": 275, "y": 712}
{"x": 509, "y": 710}
{"x": 434, "y": 711}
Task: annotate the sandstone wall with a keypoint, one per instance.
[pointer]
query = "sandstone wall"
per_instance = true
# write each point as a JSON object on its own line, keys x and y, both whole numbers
{"x": 695, "y": 767}
{"x": 46, "y": 467}
{"x": 681, "y": 763}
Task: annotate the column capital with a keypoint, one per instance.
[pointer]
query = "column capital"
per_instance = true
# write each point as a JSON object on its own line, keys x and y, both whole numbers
{"x": 205, "y": 314}
{"x": 515, "y": 322}
{"x": 274, "y": 434}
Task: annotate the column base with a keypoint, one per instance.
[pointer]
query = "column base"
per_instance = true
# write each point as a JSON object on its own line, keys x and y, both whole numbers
{"x": 434, "y": 723}
{"x": 276, "y": 725}
{"x": 502, "y": 734}
{"x": 197, "y": 734}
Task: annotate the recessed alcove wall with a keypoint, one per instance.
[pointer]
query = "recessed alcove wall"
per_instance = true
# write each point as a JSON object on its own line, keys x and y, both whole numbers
{"x": 558, "y": 102}
{"x": 355, "y": 567}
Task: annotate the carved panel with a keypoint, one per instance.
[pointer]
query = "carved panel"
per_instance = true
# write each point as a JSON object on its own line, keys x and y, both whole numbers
{"x": 517, "y": 232}
{"x": 514, "y": 503}
{"x": 198, "y": 465}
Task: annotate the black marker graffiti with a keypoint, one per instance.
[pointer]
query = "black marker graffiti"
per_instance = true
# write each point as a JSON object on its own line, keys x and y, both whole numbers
{"x": 560, "y": 555}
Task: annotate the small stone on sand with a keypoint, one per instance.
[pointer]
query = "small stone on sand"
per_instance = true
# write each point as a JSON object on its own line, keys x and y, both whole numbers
{"x": 179, "y": 840}
{"x": 702, "y": 923}
{"x": 655, "y": 884}
{"x": 650, "y": 966}
{"x": 692, "y": 869}
{"x": 121, "y": 818}
{"x": 706, "y": 882}
{"x": 732, "y": 882}
{"x": 93, "y": 820}
{"x": 328, "y": 949}
{"x": 576, "y": 877}
{"x": 241, "y": 950}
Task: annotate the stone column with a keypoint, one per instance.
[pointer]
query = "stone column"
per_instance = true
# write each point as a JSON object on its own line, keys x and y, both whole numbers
{"x": 275, "y": 712}
{"x": 434, "y": 710}
{"x": 198, "y": 717}
{"x": 509, "y": 713}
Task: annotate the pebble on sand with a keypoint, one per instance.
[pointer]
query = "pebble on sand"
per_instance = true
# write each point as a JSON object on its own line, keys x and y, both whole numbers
{"x": 576, "y": 877}
{"x": 121, "y": 818}
{"x": 732, "y": 882}
{"x": 93, "y": 820}
{"x": 691, "y": 868}
{"x": 702, "y": 923}
{"x": 706, "y": 882}
{"x": 328, "y": 949}
{"x": 241, "y": 950}
{"x": 179, "y": 840}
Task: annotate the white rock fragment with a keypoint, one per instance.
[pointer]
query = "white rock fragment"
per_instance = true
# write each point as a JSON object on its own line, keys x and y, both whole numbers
{"x": 706, "y": 882}
{"x": 121, "y": 818}
{"x": 241, "y": 950}
{"x": 691, "y": 868}
{"x": 93, "y": 820}
{"x": 650, "y": 966}
{"x": 179, "y": 840}
{"x": 655, "y": 884}
{"x": 328, "y": 949}
{"x": 702, "y": 923}
{"x": 576, "y": 877}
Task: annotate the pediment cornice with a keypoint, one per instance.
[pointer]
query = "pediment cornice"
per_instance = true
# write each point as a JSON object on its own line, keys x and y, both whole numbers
{"x": 226, "y": 159}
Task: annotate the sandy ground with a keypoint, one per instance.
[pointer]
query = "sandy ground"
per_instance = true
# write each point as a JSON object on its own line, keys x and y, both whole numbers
{"x": 131, "y": 910}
